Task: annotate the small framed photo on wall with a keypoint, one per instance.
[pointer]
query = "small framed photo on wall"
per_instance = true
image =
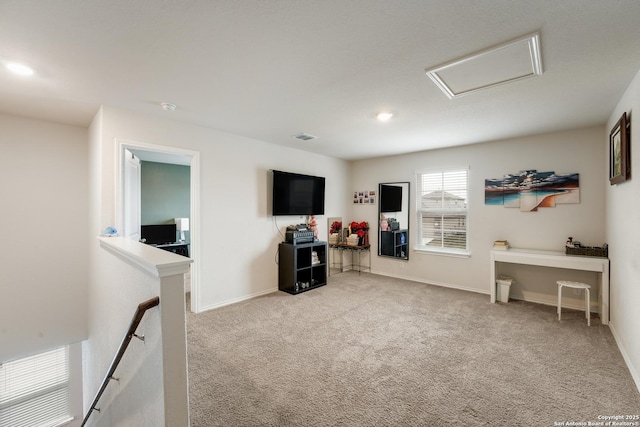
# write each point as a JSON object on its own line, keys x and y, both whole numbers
{"x": 619, "y": 152}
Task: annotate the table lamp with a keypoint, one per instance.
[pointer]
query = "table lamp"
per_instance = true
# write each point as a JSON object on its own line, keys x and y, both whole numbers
{"x": 182, "y": 225}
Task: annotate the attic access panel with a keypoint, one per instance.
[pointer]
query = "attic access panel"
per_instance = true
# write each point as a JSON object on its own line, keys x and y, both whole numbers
{"x": 505, "y": 63}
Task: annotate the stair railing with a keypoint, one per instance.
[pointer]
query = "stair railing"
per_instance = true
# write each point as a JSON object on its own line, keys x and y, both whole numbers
{"x": 131, "y": 332}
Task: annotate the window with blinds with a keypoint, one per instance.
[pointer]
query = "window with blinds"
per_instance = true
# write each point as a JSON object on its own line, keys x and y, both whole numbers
{"x": 442, "y": 211}
{"x": 34, "y": 391}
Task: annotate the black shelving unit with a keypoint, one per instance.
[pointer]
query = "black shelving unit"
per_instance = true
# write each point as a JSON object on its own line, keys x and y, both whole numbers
{"x": 395, "y": 243}
{"x": 297, "y": 271}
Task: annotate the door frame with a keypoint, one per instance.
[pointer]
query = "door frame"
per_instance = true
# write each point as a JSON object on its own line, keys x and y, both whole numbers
{"x": 131, "y": 161}
{"x": 180, "y": 156}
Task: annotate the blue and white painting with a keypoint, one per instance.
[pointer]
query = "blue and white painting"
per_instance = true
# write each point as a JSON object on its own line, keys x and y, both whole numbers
{"x": 529, "y": 190}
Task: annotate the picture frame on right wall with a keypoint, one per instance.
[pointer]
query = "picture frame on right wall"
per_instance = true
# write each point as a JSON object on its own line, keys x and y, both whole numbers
{"x": 619, "y": 152}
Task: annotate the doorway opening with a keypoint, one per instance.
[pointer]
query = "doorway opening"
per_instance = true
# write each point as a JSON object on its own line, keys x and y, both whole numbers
{"x": 128, "y": 214}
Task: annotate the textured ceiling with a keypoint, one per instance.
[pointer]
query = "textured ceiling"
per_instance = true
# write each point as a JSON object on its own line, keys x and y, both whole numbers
{"x": 269, "y": 69}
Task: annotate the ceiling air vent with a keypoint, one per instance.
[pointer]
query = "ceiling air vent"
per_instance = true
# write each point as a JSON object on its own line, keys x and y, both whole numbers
{"x": 304, "y": 137}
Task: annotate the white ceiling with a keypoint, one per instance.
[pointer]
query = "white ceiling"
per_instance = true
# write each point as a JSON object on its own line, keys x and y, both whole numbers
{"x": 269, "y": 69}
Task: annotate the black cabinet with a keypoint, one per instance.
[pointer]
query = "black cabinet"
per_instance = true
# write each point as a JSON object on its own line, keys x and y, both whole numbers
{"x": 302, "y": 267}
{"x": 394, "y": 243}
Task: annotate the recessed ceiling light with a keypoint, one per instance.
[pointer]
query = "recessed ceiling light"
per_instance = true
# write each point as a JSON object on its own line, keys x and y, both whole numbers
{"x": 19, "y": 69}
{"x": 168, "y": 106}
{"x": 384, "y": 116}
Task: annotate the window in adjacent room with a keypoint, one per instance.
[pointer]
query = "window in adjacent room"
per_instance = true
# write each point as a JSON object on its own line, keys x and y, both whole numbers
{"x": 443, "y": 211}
{"x": 34, "y": 391}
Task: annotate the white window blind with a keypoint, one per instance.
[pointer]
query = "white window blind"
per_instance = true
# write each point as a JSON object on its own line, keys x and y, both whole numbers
{"x": 443, "y": 211}
{"x": 34, "y": 391}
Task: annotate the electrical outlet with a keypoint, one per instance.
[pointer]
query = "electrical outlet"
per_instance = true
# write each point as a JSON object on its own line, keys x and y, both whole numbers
{"x": 577, "y": 291}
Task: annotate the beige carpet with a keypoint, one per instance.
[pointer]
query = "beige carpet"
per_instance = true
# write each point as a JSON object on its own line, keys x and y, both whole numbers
{"x": 372, "y": 351}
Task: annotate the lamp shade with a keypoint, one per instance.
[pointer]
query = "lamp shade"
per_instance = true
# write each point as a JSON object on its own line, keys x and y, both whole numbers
{"x": 182, "y": 224}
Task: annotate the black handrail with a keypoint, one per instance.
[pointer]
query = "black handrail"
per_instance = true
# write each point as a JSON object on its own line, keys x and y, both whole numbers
{"x": 137, "y": 317}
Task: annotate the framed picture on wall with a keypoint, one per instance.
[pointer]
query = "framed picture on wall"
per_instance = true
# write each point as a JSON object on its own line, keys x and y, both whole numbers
{"x": 619, "y": 152}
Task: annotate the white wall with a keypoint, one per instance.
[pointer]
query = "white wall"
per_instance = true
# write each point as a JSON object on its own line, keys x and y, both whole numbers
{"x": 138, "y": 398}
{"x": 44, "y": 270}
{"x": 573, "y": 151}
{"x": 239, "y": 237}
{"x": 623, "y": 227}
{"x": 116, "y": 287}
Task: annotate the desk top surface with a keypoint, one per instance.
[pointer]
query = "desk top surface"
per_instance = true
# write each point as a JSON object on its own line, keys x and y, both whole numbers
{"x": 549, "y": 258}
{"x": 542, "y": 252}
{"x": 530, "y": 251}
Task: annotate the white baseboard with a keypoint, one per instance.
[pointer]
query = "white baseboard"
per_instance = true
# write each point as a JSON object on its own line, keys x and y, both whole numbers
{"x": 634, "y": 372}
{"x": 554, "y": 303}
{"x": 431, "y": 282}
{"x": 239, "y": 299}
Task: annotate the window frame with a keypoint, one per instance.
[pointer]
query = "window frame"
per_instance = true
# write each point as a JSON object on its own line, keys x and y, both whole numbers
{"x": 20, "y": 387}
{"x": 440, "y": 250}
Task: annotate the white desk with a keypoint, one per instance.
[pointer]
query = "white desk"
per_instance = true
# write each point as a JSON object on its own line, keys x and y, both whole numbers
{"x": 558, "y": 260}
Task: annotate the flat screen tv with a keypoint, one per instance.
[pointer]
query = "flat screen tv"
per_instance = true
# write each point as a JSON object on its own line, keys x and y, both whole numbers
{"x": 296, "y": 194}
{"x": 390, "y": 198}
{"x": 158, "y": 234}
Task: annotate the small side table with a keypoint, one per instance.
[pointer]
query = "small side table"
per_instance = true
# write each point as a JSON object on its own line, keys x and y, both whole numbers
{"x": 355, "y": 250}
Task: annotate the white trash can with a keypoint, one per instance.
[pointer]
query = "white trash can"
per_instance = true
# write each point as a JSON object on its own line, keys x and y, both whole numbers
{"x": 503, "y": 284}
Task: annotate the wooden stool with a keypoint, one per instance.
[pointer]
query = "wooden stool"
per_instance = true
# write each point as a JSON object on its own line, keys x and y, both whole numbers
{"x": 575, "y": 285}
